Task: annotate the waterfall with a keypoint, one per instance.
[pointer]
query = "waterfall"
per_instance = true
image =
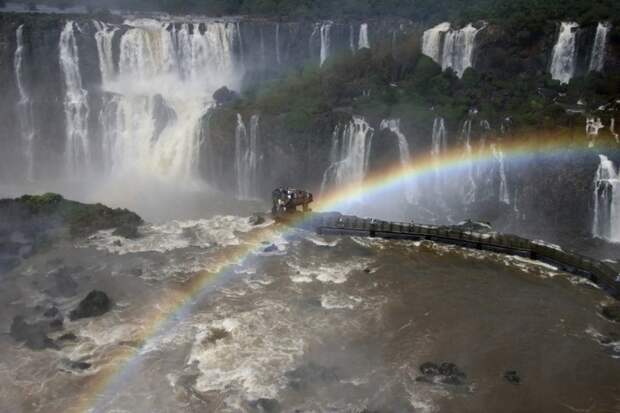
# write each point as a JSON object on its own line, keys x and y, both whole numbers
{"x": 593, "y": 126}
{"x": 564, "y": 59}
{"x": 77, "y": 152}
{"x": 363, "y": 39}
{"x": 431, "y": 41}
{"x": 278, "y": 58}
{"x": 104, "y": 37}
{"x": 469, "y": 187}
{"x": 503, "y": 192}
{"x": 606, "y": 222}
{"x": 24, "y": 106}
{"x": 393, "y": 125}
{"x": 439, "y": 146}
{"x": 247, "y": 158}
{"x": 458, "y": 49}
{"x": 599, "y": 49}
{"x": 152, "y": 111}
{"x": 612, "y": 129}
{"x": 351, "y": 153}
{"x": 325, "y": 31}
{"x": 352, "y": 39}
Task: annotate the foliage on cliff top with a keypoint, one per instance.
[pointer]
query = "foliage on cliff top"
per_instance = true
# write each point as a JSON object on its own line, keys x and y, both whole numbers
{"x": 51, "y": 211}
{"x": 518, "y": 12}
{"x": 407, "y": 84}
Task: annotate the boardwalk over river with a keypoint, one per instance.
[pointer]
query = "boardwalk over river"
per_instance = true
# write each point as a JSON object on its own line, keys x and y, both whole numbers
{"x": 602, "y": 274}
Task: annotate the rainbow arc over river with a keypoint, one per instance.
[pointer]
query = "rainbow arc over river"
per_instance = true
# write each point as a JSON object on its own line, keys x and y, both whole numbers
{"x": 176, "y": 305}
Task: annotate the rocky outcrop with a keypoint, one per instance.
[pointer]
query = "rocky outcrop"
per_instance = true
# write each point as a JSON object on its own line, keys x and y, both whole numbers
{"x": 95, "y": 304}
{"x": 31, "y": 223}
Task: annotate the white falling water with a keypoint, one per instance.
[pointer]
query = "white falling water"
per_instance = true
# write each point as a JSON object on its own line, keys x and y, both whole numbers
{"x": 564, "y": 57}
{"x": 458, "y": 49}
{"x": 350, "y": 155}
{"x": 439, "y": 146}
{"x": 165, "y": 82}
{"x": 104, "y": 36}
{"x": 498, "y": 154}
{"x": 599, "y": 48}
{"x": 77, "y": 153}
{"x": 24, "y": 106}
{"x": 278, "y": 58}
{"x": 606, "y": 223}
{"x": 469, "y": 187}
{"x": 247, "y": 158}
{"x": 352, "y": 39}
{"x": 363, "y": 38}
{"x": 432, "y": 41}
{"x": 325, "y": 31}
{"x": 393, "y": 125}
{"x": 593, "y": 126}
{"x": 612, "y": 129}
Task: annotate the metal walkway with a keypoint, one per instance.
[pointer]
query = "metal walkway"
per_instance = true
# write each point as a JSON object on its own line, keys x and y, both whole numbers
{"x": 600, "y": 273}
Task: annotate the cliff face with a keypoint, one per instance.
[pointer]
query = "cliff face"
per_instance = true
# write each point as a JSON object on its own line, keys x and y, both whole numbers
{"x": 242, "y": 54}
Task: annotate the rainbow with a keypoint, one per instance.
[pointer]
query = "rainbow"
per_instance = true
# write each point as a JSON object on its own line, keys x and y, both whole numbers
{"x": 176, "y": 305}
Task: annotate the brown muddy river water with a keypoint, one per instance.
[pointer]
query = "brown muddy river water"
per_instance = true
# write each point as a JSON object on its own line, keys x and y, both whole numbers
{"x": 306, "y": 324}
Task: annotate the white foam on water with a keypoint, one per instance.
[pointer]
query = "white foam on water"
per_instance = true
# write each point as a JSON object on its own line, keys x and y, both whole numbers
{"x": 337, "y": 273}
{"x": 321, "y": 241}
{"x": 614, "y": 346}
{"x": 337, "y": 301}
{"x": 173, "y": 235}
{"x": 250, "y": 362}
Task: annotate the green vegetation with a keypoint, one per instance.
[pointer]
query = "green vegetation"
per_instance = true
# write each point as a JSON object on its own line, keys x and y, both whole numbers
{"x": 409, "y": 85}
{"x": 525, "y": 14}
{"x": 80, "y": 219}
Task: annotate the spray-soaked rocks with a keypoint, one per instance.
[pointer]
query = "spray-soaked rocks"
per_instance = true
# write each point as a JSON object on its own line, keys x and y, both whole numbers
{"x": 33, "y": 335}
{"x": 611, "y": 312}
{"x": 444, "y": 373}
{"x": 95, "y": 304}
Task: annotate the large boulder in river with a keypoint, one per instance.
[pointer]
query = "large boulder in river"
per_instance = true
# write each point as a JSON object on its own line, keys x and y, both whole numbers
{"x": 95, "y": 304}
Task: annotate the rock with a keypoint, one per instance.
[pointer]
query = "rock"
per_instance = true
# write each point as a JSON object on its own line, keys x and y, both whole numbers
{"x": 256, "y": 220}
{"x": 224, "y": 96}
{"x": 266, "y": 406}
{"x": 95, "y": 304}
{"x": 271, "y": 248}
{"x": 52, "y": 312}
{"x": 444, "y": 373}
{"x": 367, "y": 270}
{"x": 128, "y": 231}
{"x": 64, "y": 284}
{"x": 611, "y": 312}
{"x": 215, "y": 335}
{"x": 68, "y": 337}
{"x": 33, "y": 335}
{"x": 79, "y": 365}
{"x": 512, "y": 377}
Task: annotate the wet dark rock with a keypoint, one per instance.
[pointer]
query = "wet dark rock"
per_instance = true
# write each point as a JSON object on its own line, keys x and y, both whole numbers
{"x": 512, "y": 377}
{"x": 52, "y": 312}
{"x": 33, "y": 335}
{"x": 266, "y": 406}
{"x": 444, "y": 373}
{"x": 128, "y": 231}
{"x": 256, "y": 219}
{"x": 56, "y": 324}
{"x": 215, "y": 335}
{"x": 224, "y": 96}
{"x": 68, "y": 337}
{"x": 271, "y": 248}
{"x": 310, "y": 374}
{"x": 76, "y": 365}
{"x": 95, "y": 304}
{"x": 611, "y": 312}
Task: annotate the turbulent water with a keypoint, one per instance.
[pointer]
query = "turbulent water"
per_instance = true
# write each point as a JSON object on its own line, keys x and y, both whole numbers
{"x": 364, "y": 43}
{"x": 312, "y": 324}
{"x": 606, "y": 222}
{"x": 563, "y": 61}
{"x": 432, "y": 41}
